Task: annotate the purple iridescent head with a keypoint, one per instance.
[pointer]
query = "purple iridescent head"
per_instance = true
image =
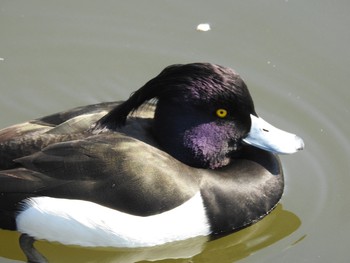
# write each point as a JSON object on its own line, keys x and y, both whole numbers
{"x": 187, "y": 123}
{"x": 204, "y": 114}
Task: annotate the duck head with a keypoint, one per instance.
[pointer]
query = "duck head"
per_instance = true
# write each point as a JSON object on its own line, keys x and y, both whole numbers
{"x": 204, "y": 116}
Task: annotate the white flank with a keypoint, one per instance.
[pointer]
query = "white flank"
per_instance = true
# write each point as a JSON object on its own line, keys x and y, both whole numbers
{"x": 77, "y": 222}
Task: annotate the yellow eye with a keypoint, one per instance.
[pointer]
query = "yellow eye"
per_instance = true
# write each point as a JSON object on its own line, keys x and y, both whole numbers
{"x": 221, "y": 113}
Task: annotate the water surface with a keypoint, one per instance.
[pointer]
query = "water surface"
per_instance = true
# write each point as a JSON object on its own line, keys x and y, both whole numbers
{"x": 292, "y": 54}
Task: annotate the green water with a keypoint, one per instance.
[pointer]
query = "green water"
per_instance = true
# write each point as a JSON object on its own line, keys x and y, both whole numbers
{"x": 292, "y": 54}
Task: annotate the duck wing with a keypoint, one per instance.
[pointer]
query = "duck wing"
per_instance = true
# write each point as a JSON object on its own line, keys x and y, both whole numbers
{"x": 110, "y": 169}
{"x": 28, "y": 137}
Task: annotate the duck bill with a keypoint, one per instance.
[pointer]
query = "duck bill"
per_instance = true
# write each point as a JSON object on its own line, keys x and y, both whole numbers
{"x": 267, "y": 137}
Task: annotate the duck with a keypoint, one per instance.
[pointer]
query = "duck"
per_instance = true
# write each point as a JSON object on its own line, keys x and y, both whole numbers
{"x": 186, "y": 155}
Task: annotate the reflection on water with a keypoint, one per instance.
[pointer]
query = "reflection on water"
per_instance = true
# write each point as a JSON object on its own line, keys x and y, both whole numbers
{"x": 279, "y": 224}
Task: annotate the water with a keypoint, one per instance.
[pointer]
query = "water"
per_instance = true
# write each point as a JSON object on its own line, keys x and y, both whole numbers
{"x": 293, "y": 55}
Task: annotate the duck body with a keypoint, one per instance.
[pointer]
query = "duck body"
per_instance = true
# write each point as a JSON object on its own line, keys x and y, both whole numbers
{"x": 121, "y": 175}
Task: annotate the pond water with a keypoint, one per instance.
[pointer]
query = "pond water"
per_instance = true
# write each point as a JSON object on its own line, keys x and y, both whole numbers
{"x": 293, "y": 54}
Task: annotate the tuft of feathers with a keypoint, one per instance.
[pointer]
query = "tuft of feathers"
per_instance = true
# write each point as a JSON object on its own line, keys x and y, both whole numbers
{"x": 195, "y": 82}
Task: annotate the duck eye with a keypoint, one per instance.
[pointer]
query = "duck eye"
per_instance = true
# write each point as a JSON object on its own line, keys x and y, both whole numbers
{"x": 221, "y": 113}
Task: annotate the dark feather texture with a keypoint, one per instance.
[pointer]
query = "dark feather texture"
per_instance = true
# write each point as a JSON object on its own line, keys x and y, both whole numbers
{"x": 145, "y": 158}
{"x": 196, "y": 83}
